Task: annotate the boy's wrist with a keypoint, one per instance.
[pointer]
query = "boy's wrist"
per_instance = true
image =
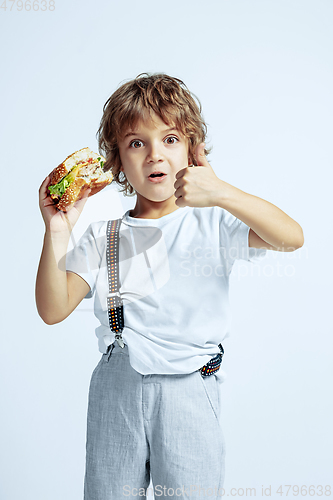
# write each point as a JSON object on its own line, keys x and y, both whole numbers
{"x": 226, "y": 196}
{"x": 57, "y": 236}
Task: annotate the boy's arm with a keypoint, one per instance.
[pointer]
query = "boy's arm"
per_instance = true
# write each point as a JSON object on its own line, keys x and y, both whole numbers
{"x": 57, "y": 292}
{"x": 256, "y": 242}
{"x": 271, "y": 228}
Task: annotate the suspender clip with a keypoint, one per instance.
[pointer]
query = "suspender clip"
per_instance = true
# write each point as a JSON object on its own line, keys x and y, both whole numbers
{"x": 113, "y": 294}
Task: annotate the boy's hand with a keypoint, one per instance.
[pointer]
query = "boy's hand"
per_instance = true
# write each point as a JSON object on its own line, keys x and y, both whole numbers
{"x": 55, "y": 220}
{"x": 197, "y": 186}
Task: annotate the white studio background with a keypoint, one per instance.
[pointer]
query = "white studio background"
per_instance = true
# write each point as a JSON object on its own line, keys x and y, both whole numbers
{"x": 264, "y": 74}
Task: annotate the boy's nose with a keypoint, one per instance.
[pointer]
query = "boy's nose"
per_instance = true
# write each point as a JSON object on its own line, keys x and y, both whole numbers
{"x": 154, "y": 154}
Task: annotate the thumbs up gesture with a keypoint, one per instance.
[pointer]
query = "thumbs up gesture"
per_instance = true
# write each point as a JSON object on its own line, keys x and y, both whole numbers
{"x": 197, "y": 186}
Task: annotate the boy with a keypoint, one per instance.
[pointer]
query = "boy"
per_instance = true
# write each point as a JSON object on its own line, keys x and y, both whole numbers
{"x": 151, "y": 411}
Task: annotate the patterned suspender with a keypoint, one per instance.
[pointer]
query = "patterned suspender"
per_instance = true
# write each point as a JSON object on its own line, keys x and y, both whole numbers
{"x": 114, "y": 301}
{"x": 213, "y": 365}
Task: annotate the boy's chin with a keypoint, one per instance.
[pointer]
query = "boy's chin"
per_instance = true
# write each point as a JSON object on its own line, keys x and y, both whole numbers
{"x": 157, "y": 198}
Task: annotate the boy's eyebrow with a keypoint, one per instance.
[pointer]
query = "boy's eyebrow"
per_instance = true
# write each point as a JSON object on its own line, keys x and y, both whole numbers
{"x": 137, "y": 133}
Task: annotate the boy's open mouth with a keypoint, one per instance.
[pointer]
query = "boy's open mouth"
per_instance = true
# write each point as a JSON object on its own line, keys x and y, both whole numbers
{"x": 156, "y": 174}
{"x": 157, "y": 177}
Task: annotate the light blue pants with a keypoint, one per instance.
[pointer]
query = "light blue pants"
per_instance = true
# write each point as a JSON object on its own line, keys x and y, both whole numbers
{"x": 163, "y": 426}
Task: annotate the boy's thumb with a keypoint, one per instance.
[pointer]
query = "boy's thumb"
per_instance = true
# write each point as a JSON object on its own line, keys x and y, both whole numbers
{"x": 200, "y": 155}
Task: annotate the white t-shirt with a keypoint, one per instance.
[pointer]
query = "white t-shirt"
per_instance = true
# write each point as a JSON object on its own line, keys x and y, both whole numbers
{"x": 174, "y": 281}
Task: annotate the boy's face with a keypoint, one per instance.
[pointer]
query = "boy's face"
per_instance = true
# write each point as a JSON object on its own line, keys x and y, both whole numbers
{"x": 153, "y": 146}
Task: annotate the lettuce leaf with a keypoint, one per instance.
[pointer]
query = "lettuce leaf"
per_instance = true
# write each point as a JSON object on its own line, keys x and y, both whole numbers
{"x": 60, "y": 188}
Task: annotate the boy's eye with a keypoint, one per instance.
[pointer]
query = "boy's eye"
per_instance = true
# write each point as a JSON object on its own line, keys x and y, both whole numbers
{"x": 136, "y": 144}
{"x": 171, "y": 140}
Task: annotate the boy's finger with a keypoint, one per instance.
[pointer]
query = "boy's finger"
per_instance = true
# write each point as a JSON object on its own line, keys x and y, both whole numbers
{"x": 44, "y": 183}
{"x": 86, "y": 193}
{"x": 83, "y": 200}
{"x": 180, "y": 173}
{"x": 200, "y": 155}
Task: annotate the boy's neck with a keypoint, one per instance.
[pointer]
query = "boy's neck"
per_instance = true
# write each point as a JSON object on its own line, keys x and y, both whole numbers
{"x": 153, "y": 210}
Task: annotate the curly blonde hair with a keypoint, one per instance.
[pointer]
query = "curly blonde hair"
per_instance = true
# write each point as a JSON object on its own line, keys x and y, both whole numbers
{"x": 164, "y": 95}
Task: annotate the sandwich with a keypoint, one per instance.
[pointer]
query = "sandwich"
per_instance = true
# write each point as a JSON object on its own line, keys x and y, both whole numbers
{"x": 80, "y": 171}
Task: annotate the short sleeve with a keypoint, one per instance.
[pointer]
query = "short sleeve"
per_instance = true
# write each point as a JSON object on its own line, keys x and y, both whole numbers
{"x": 234, "y": 240}
{"x": 84, "y": 259}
